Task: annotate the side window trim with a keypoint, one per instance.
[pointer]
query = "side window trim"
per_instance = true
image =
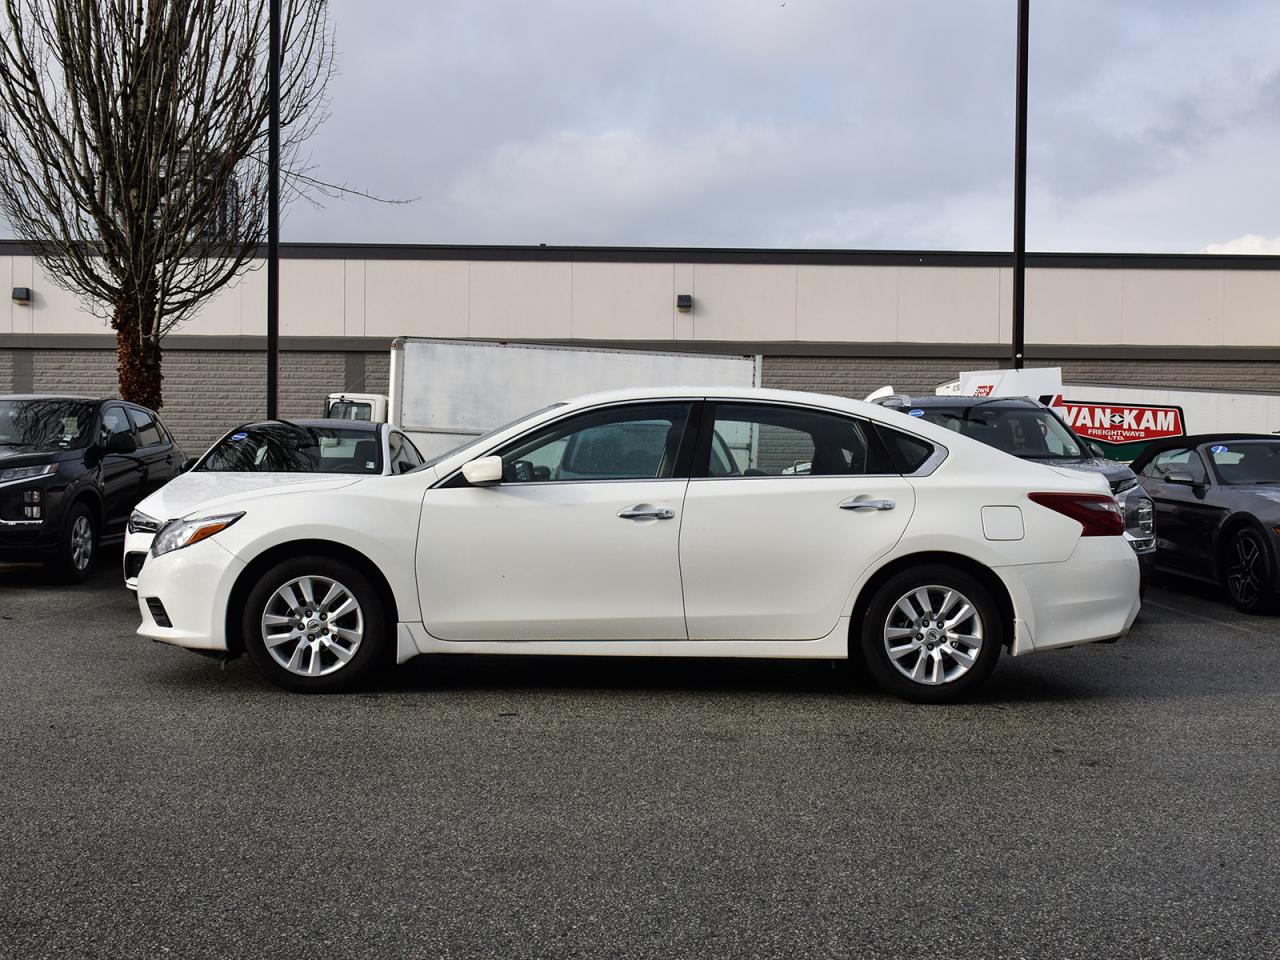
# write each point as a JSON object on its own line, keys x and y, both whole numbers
{"x": 702, "y": 457}
{"x": 684, "y": 453}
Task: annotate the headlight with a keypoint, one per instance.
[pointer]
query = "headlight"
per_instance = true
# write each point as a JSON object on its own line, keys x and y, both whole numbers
{"x": 1127, "y": 484}
{"x": 139, "y": 522}
{"x": 27, "y": 473}
{"x": 177, "y": 534}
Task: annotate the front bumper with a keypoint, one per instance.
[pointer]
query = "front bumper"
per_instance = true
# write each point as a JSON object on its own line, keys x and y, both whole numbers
{"x": 193, "y": 588}
{"x": 1090, "y": 596}
{"x": 137, "y": 550}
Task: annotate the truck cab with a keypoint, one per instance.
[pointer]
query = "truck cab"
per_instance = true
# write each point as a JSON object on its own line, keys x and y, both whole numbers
{"x": 356, "y": 406}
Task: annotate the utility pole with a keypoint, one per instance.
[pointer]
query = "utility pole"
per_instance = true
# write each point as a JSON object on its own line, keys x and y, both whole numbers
{"x": 1020, "y": 192}
{"x": 273, "y": 213}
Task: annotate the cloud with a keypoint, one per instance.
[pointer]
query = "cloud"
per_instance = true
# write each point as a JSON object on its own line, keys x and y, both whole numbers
{"x": 1250, "y": 243}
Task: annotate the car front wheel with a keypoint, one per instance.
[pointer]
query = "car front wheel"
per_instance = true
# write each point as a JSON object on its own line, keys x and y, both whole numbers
{"x": 1247, "y": 572}
{"x": 315, "y": 624}
{"x": 931, "y": 634}
{"x": 78, "y": 547}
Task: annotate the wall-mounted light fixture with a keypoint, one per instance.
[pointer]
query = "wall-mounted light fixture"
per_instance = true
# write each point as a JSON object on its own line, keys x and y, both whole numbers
{"x": 684, "y": 302}
{"x": 22, "y": 295}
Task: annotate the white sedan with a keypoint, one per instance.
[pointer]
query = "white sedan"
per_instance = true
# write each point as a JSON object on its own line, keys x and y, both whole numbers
{"x": 660, "y": 523}
{"x": 268, "y": 454}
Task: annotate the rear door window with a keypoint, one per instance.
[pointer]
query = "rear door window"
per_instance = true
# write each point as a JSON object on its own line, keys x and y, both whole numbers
{"x": 149, "y": 434}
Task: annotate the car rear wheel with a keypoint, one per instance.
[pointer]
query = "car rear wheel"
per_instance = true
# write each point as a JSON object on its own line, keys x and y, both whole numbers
{"x": 315, "y": 624}
{"x": 78, "y": 547}
{"x": 931, "y": 634}
{"x": 1247, "y": 572}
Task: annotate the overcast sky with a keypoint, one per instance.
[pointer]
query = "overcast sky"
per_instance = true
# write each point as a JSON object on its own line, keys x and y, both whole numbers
{"x": 1154, "y": 124}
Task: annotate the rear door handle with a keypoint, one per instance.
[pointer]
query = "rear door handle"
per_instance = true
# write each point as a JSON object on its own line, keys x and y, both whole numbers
{"x": 853, "y": 503}
{"x": 643, "y": 511}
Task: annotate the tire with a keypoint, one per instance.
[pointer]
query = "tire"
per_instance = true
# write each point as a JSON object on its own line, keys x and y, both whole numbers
{"x": 318, "y": 654}
{"x": 913, "y": 673}
{"x": 77, "y": 547}
{"x": 1248, "y": 572}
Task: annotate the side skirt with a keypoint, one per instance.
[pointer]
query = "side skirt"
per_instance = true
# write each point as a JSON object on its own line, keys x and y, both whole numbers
{"x": 835, "y": 645}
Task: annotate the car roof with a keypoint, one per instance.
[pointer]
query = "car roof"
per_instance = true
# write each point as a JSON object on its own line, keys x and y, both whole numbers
{"x": 54, "y": 396}
{"x": 1193, "y": 440}
{"x": 360, "y": 426}
{"x": 899, "y": 400}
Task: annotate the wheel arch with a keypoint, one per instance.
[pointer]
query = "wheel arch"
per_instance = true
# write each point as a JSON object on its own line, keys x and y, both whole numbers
{"x": 90, "y": 497}
{"x": 264, "y": 561}
{"x": 980, "y": 571}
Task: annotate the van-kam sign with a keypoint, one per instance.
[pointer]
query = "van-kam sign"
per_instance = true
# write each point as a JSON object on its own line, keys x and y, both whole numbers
{"x": 1119, "y": 423}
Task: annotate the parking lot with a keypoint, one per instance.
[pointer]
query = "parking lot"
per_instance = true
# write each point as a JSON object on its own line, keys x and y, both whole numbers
{"x": 1114, "y": 800}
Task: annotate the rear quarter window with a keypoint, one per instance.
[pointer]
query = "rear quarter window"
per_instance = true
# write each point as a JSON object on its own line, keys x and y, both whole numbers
{"x": 908, "y": 453}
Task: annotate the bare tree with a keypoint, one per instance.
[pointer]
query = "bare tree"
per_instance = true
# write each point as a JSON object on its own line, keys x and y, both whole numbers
{"x": 133, "y": 138}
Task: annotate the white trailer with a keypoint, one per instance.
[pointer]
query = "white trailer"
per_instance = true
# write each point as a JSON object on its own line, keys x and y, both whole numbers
{"x": 444, "y": 391}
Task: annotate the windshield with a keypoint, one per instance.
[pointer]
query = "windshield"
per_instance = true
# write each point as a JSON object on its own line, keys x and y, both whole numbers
{"x": 1029, "y": 432}
{"x": 350, "y": 410}
{"x": 1246, "y": 461}
{"x": 289, "y": 448}
{"x": 481, "y": 440}
{"x": 50, "y": 423}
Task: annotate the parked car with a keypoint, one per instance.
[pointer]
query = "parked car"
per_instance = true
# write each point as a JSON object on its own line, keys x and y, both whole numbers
{"x": 660, "y": 523}
{"x": 263, "y": 455}
{"x": 1217, "y": 501}
{"x": 71, "y": 469}
{"x": 1024, "y": 428}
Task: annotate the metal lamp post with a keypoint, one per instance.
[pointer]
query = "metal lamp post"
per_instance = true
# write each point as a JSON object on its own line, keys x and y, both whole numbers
{"x": 273, "y": 212}
{"x": 1020, "y": 192}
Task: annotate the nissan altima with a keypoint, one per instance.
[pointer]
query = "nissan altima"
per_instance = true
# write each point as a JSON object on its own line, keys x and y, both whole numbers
{"x": 660, "y": 523}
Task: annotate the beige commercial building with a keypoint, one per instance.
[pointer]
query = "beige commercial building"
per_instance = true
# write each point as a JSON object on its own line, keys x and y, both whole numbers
{"x": 837, "y": 321}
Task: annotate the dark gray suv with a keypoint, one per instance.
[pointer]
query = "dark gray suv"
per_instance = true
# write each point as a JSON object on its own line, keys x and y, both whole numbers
{"x": 1024, "y": 428}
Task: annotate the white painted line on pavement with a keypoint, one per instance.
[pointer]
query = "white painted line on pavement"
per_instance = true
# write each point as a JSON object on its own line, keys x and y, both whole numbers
{"x": 1269, "y": 635}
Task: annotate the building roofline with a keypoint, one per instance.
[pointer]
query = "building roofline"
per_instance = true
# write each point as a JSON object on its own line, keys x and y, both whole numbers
{"x": 749, "y": 255}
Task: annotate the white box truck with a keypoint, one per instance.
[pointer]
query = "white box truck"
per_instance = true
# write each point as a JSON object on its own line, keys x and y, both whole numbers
{"x": 444, "y": 391}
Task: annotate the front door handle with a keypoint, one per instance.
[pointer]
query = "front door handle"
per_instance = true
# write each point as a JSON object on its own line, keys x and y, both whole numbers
{"x": 643, "y": 511}
{"x": 853, "y": 503}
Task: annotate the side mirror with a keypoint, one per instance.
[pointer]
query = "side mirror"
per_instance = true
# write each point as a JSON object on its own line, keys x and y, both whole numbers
{"x": 1182, "y": 478}
{"x": 483, "y": 471}
{"x": 187, "y": 464}
{"x": 121, "y": 443}
{"x": 1096, "y": 450}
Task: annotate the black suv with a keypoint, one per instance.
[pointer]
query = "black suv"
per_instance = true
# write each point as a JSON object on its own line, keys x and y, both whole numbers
{"x": 1030, "y": 430}
{"x": 71, "y": 470}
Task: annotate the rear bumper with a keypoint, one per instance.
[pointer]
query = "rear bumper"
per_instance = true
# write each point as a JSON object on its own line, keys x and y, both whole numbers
{"x": 1090, "y": 596}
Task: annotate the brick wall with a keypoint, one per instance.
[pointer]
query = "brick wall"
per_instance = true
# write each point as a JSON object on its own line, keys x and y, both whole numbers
{"x": 858, "y": 376}
{"x": 1230, "y": 375}
{"x": 90, "y": 373}
{"x": 206, "y": 391}
{"x": 209, "y": 391}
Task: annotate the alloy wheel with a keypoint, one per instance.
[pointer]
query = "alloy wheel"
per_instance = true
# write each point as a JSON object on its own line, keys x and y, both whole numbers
{"x": 312, "y": 626}
{"x": 933, "y": 635}
{"x": 81, "y": 543}
{"x": 1245, "y": 569}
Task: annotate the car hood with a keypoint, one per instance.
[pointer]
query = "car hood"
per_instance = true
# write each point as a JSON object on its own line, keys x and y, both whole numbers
{"x": 200, "y": 489}
{"x": 1115, "y": 473}
{"x": 34, "y": 456}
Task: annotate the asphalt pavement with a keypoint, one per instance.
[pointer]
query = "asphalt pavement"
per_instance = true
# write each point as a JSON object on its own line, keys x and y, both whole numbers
{"x": 1107, "y": 801}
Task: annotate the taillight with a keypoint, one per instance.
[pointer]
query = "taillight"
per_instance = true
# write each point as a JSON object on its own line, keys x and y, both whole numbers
{"x": 1098, "y": 513}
